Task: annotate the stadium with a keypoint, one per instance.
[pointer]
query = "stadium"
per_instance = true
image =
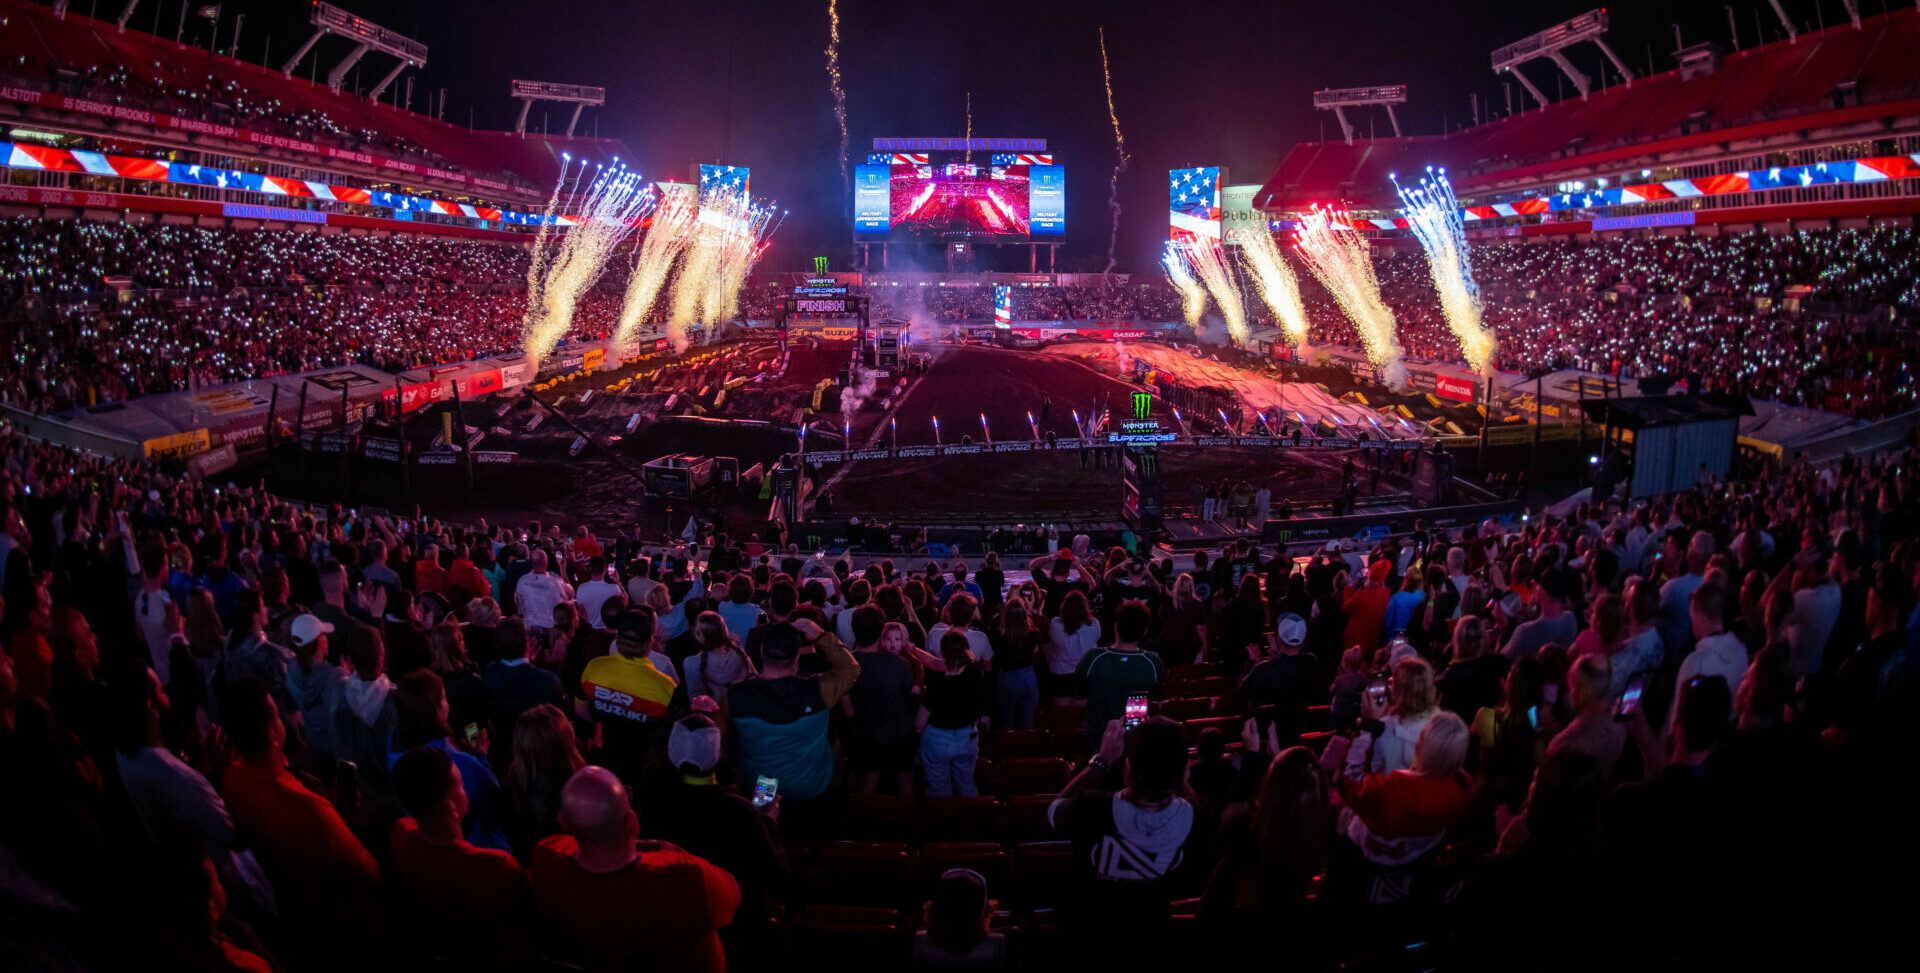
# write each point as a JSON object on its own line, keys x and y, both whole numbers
{"x": 791, "y": 526}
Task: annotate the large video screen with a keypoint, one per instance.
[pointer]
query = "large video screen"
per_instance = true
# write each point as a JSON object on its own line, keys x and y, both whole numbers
{"x": 942, "y": 196}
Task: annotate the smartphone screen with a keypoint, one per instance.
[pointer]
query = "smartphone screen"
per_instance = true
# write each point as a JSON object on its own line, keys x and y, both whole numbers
{"x": 473, "y": 734}
{"x": 1533, "y": 717}
{"x": 764, "y": 791}
{"x": 1378, "y": 693}
{"x": 1629, "y": 698}
{"x": 1136, "y": 711}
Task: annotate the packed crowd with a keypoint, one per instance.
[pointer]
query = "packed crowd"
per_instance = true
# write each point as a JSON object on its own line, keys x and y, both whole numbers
{"x": 960, "y": 304}
{"x": 1682, "y": 306}
{"x": 240, "y": 735}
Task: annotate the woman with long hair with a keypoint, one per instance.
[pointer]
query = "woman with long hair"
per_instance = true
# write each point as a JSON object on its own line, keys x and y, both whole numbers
{"x": 545, "y": 755}
{"x": 1243, "y": 625}
{"x": 1016, "y": 645}
{"x": 1273, "y": 847}
{"x": 717, "y": 663}
{"x": 1183, "y": 637}
{"x": 1412, "y": 700}
{"x": 951, "y": 706}
{"x": 467, "y": 697}
{"x": 1511, "y": 737}
{"x": 1070, "y": 635}
{"x": 1471, "y": 679}
{"x": 420, "y": 720}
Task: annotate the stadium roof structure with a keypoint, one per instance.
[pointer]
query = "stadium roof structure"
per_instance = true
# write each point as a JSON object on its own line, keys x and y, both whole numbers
{"x": 49, "y": 49}
{"x": 1830, "y": 77}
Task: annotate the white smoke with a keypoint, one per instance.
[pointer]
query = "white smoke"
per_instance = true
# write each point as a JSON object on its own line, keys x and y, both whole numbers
{"x": 856, "y": 395}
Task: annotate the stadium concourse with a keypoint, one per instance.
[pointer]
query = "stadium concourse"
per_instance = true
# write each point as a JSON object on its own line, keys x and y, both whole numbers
{"x": 967, "y": 621}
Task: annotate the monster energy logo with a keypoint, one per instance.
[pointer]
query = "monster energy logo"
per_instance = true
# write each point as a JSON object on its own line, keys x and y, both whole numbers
{"x": 819, "y": 265}
{"x": 1142, "y": 405}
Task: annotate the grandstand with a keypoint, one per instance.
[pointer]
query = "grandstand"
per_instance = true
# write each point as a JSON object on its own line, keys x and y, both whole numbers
{"x": 1838, "y": 94}
{"x": 88, "y": 82}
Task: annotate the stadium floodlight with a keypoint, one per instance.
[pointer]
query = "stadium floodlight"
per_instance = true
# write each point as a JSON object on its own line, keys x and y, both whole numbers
{"x": 1549, "y": 43}
{"x": 578, "y": 95}
{"x": 367, "y": 36}
{"x": 1340, "y": 99}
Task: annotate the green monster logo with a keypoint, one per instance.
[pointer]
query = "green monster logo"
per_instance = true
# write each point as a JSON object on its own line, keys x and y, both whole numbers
{"x": 819, "y": 265}
{"x": 1142, "y": 405}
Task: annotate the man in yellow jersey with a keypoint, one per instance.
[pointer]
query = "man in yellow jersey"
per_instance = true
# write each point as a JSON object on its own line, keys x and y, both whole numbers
{"x": 626, "y": 695}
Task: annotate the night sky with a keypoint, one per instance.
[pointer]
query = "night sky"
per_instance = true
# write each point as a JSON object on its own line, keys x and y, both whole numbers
{"x": 1198, "y": 82}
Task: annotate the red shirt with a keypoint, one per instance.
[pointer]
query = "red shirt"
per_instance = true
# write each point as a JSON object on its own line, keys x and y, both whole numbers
{"x": 319, "y": 870}
{"x": 467, "y": 575}
{"x": 1366, "y": 610}
{"x": 663, "y": 910}
{"x": 473, "y": 899}
{"x": 429, "y": 576}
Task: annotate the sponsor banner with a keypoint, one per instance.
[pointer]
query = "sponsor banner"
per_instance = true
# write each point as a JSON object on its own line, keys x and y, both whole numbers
{"x": 962, "y": 449}
{"x": 495, "y": 456}
{"x": 1068, "y": 443}
{"x": 412, "y": 397}
{"x": 827, "y": 456}
{"x": 178, "y": 445}
{"x": 1018, "y": 446}
{"x": 1455, "y": 389}
{"x": 437, "y": 459}
{"x": 915, "y": 452}
{"x": 481, "y": 383}
{"x": 381, "y": 448}
{"x": 869, "y": 454}
{"x": 514, "y": 376}
{"x": 592, "y": 359}
{"x": 1421, "y": 381}
{"x": 214, "y": 461}
{"x": 1047, "y": 200}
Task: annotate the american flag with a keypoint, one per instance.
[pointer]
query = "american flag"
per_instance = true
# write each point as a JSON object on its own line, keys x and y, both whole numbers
{"x": 724, "y": 179}
{"x": 1002, "y": 305}
{"x": 1193, "y": 202}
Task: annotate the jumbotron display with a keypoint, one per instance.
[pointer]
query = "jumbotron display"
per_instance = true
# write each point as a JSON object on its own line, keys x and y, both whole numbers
{"x": 944, "y": 195}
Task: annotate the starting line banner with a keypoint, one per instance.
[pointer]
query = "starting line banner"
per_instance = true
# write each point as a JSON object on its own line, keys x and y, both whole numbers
{"x": 824, "y": 456}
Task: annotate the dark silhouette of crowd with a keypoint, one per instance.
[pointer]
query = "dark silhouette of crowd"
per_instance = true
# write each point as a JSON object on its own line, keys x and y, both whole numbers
{"x": 238, "y": 733}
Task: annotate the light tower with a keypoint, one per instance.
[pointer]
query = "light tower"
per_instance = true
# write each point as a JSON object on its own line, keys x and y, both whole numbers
{"x": 1341, "y": 99}
{"x": 368, "y": 36}
{"x": 579, "y": 95}
{"x": 1550, "y": 43}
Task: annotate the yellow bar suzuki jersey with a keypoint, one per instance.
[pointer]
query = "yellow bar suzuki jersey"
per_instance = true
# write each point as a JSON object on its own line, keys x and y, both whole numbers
{"x": 626, "y": 692}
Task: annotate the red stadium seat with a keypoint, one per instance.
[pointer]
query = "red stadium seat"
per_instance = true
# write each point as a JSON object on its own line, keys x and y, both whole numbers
{"x": 963, "y": 819}
{"x": 1026, "y": 819}
{"x": 994, "y": 864}
{"x": 869, "y": 939}
{"x": 1046, "y": 868}
{"x": 888, "y": 817}
{"x": 1034, "y": 775}
{"x": 873, "y": 873}
{"x": 1002, "y": 744}
{"x": 1186, "y": 708}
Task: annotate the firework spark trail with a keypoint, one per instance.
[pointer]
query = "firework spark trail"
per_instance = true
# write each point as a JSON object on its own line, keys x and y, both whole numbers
{"x": 833, "y": 81}
{"x": 536, "y": 267}
{"x": 1120, "y": 154}
{"x": 1209, "y": 261}
{"x": 1433, "y": 214}
{"x": 1338, "y": 257}
{"x": 742, "y": 232}
{"x": 674, "y": 221}
{"x": 969, "y": 158}
{"x": 1279, "y": 288}
{"x": 614, "y": 203}
{"x": 1193, "y": 297}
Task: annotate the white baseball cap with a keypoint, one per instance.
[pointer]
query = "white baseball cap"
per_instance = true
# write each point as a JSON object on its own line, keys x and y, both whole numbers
{"x": 1291, "y": 628}
{"x": 306, "y": 629}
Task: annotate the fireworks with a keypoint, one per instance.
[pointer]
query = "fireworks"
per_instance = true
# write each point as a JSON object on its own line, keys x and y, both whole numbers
{"x": 1193, "y": 297}
{"x": 1338, "y": 257}
{"x": 536, "y": 267}
{"x": 1278, "y": 286}
{"x": 1433, "y": 214}
{"x": 833, "y": 82}
{"x": 614, "y": 203}
{"x": 1120, "y": 156}
{"x": 674, "y": 222}
{"x": 729, "y": 235}
{"x": 1209, "y": 262}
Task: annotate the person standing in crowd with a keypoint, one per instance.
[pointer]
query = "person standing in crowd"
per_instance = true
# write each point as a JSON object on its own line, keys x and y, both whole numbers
{"x": 1132, "y": 848}
{"x": 954, "y": 701}
{"x": 1279, "y": 686}
{"x": 619, "y": 901}
{"x": 1017, "y": 647}
{"x": 1070, "y": 636}
{"x": 470, "y": 901}
{"x": 779, "y": 718}
{"x": 514, "y": 685}
{"x": 1109, "y": 676}
{"x": 535, "y": 595}
{"x": 881, "y": 741}
{"x": 625, "y": 696}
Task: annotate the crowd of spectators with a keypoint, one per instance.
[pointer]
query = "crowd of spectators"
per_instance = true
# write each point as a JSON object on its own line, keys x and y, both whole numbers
{"x": 1718, "y": 309}
{"x": 236, "y": 734}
